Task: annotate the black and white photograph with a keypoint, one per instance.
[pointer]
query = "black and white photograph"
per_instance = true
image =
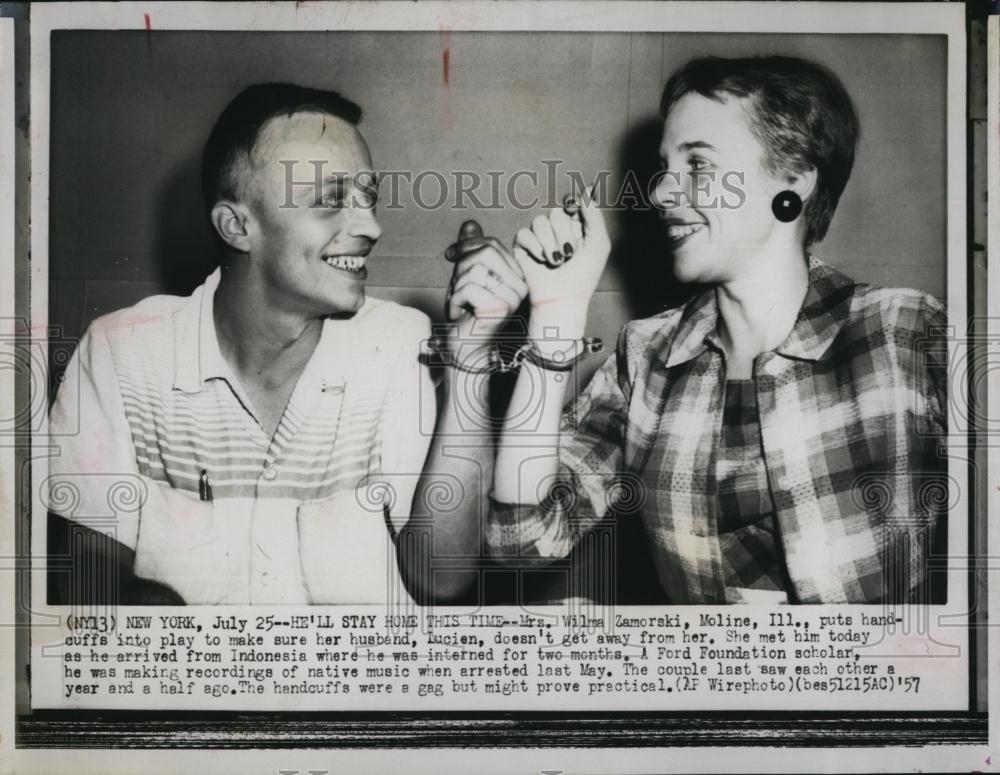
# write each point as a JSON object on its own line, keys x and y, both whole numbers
{"x": 611, "y": 370}
{"x": 770, "y": 432}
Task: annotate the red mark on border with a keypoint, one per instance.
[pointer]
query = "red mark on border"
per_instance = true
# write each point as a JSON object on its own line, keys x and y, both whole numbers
{"x": 445, "y": 34}
{"x": 149, "y": 28}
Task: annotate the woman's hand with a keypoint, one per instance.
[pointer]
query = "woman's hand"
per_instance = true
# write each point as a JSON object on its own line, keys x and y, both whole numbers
{"x": 562, "y": 257}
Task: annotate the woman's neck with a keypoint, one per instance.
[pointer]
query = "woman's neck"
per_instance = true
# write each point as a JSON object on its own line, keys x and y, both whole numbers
{"x": 758, "y": 311}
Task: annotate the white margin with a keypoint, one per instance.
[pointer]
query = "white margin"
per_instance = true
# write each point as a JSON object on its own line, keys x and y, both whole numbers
{"x": 516, "y": 15}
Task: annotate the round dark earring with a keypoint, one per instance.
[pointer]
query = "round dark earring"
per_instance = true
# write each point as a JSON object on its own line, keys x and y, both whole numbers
{"x": 786, "y": 206}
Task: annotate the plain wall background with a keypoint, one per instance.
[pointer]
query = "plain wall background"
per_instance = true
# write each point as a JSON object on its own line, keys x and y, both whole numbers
{"x": 131, "y": 111}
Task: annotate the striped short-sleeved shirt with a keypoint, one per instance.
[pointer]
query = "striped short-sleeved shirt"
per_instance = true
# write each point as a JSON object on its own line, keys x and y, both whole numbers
{"x": 151, "y": 404}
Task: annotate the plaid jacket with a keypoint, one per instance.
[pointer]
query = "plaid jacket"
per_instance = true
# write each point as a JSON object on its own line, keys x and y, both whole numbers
{"x": 852, "y": 406}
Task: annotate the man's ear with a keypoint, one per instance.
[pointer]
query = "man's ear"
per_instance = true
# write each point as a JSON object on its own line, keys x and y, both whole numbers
{"x": 231, "y": 222}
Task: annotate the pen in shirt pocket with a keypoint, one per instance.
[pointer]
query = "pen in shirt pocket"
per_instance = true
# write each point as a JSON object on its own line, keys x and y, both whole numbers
{"x": 204, "y": 486}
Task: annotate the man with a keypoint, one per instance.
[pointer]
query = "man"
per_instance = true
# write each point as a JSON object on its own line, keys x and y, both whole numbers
{"x": 248, "y": 418}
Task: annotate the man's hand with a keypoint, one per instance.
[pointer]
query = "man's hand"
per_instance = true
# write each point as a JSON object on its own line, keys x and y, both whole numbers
{"x": 487, "y": 285}
{"x": 562, "y": 257}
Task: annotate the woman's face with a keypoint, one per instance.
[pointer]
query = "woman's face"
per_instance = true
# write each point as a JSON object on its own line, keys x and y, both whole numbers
{"x": 714, "y": 192}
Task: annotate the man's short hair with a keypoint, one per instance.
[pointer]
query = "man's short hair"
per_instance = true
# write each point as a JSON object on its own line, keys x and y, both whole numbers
{"x": 228, "y": 153}
{"x": 800, "y": 112}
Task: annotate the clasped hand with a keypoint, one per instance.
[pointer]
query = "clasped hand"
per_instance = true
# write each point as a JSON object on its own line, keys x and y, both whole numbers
{"x": 557, "y": 263}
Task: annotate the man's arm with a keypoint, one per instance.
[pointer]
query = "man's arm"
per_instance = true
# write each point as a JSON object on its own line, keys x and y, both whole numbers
{"x": 450, "y": 502}
{"x": 93, "y": 455}
{"x": 451, "y": 498}
{"x": 91, "y": 568}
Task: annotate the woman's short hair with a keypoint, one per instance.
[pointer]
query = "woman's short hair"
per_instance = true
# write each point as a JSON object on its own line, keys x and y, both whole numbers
{"x": 802, "y": 117}
{"x": 227, "y": 160}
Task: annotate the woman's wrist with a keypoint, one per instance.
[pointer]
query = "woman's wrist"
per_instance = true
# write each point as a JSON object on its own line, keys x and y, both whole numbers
{"x": 557, "y": 342}
{"x": 552, "y": 325}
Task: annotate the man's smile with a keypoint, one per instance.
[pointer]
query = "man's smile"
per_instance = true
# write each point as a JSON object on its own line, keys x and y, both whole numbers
{"x": 348, "y": 263}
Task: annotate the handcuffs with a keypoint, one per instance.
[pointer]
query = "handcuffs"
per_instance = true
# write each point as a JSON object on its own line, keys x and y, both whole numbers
{"x": 471, "y": 239}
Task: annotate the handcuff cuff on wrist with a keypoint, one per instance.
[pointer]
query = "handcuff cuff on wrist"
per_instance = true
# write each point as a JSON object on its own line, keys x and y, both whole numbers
{"x": 439, "y": 353}
{"x": 529, "y": 351}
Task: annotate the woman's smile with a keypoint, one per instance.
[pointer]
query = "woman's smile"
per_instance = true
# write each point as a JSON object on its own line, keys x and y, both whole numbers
{"x": 679, "y": 233}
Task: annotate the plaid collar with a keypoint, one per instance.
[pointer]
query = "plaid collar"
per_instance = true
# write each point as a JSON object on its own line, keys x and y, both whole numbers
{"x": 823, "y": 313}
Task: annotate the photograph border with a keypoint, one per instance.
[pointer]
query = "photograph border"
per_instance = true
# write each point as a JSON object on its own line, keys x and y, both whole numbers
{"x": 162, "y": 729}
{"x": 11, "y": 330}
{"x": 993, "y": 334}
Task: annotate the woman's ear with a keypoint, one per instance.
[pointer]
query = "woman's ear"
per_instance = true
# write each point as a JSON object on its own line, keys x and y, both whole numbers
{"x": 230, "y": 222}
{"x": 803, "y": 183}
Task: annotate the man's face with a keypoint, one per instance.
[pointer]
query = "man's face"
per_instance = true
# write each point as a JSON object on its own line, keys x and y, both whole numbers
{"x": 312, "y": 198}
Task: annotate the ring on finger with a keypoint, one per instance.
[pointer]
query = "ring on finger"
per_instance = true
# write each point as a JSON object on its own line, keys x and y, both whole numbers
{"x": 567, "y": 251}
{"x": 493, "y": 280}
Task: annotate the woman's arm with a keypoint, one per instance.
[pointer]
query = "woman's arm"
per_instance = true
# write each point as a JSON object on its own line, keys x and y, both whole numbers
{"x": 487, "y": 287}
{"x": 583, "y": 470}
{"x": 528, "y": 454}
{"x": 560, "y": 295}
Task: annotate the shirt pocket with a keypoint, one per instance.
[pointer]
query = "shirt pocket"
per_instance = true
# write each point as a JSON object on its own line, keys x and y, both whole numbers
{"x": 348, "y": 554}
{"x": 196, "y": 547}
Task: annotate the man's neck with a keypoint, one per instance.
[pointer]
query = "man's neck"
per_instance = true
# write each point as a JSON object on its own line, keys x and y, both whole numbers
{"x": 266, "y": 347}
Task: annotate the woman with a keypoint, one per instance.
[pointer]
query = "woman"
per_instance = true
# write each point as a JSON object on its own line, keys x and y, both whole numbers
{"x": 777, "y": 434}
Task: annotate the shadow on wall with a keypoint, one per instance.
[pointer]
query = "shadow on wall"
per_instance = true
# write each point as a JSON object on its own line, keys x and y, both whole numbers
{"x": 641, "y": 258}
{"x": 640, "y": 253}
{"x": 185, "y": 248}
